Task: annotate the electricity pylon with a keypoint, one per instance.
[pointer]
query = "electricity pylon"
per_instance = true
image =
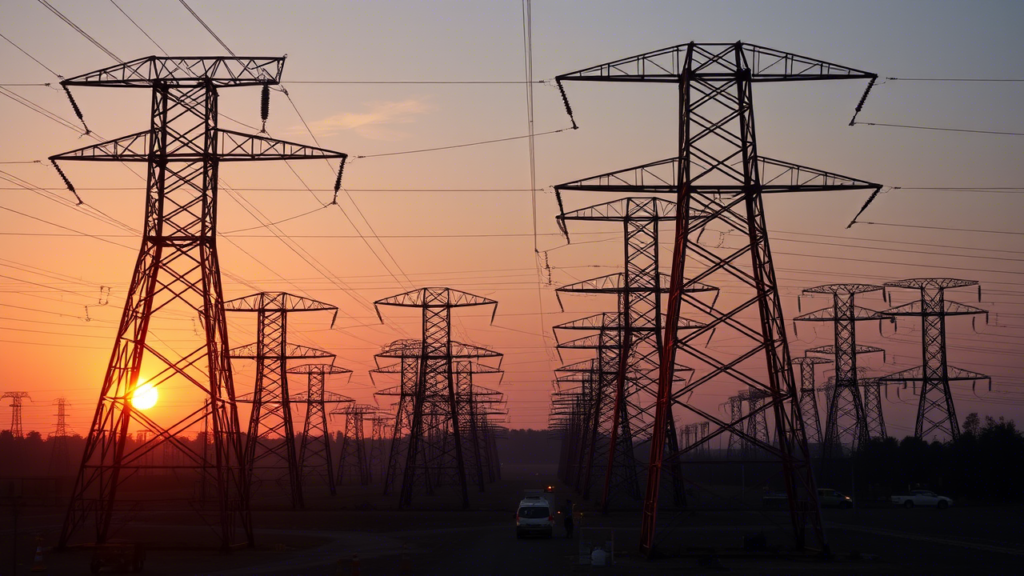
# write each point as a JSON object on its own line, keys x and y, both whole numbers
{"x": 717, "y": 170}
{"x": 379, "y": 424}
{"x": 270, "y": 444}
{"x": 846, "y": 419}
{"x": 16, "y": 397}
{"x": 426, "y": 450}
{"x": 476, "y": 404}
{"x": 590, "y": 402}
{"x": 935, "y": 410}
{"x": 177, "y": 272}
{"x": 736, "y": 444}
{"x": 809, "y": 397}
{"x": 354, "y": 461}
{"x": 60, "y": 458}
{"x": 315, "y": 447}
{"x": 638, "y": 290}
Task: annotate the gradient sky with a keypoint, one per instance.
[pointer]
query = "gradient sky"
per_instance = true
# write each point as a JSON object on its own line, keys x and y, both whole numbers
{"x": 55, "y": 335}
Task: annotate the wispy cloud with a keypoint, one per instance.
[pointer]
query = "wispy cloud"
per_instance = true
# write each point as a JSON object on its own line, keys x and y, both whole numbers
{"x": 377, "y": 122}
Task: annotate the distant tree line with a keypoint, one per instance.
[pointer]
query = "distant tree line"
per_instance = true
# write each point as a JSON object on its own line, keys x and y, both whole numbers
{"x": 985, "y": 463}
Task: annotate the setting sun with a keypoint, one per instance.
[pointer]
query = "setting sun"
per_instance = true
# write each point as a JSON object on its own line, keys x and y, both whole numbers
{"x": 145, "y": 397}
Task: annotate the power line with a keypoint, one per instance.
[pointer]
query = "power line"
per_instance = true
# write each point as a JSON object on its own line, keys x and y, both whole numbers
{"x": 942, "y": 228}
{"x": 442, "y": 82}
{"x": 119, "y": 9}
{"x": 939, "y": 129}
{"x": 481, "y": 142}
{"x": 208, "y": 29}
{"x": 80, "y": 31}
{"x": 955, "y": 79}
{"x": 34, "y": 59}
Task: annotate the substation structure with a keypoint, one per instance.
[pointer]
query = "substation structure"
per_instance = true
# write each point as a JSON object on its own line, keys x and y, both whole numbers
{"x": 315, "y": 449}
{"x": 717, "y": 179}
{"x": 177, "y": 275}
{"x": 627, "y": 343}
{"x": 935, "y": 410}
{"x": 851, "y": 417}
{"x": 270, "y": 451}
{"x": 436, "y": 420}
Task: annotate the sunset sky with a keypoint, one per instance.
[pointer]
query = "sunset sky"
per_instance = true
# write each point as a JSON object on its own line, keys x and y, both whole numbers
{"x": 464, "y": 217}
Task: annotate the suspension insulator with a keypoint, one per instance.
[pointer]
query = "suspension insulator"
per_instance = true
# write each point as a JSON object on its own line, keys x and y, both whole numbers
{"x": 337, "y": 181}
{"x": 78, "y": 111}
{"x": 66, "y": 182}
{"x": 265, "y": 102}
{"x": 863, "y": 98}
{"x": 568, "y": 108}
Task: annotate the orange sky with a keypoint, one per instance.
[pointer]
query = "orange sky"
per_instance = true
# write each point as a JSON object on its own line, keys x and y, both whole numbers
{"x": 57, "y": 322}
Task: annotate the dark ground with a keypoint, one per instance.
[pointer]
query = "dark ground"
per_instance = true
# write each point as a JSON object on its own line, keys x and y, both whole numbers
{"x": 328, "y": 536}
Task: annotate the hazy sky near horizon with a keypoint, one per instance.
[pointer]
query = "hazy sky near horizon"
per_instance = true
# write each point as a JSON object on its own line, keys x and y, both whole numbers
{"x": 55, "y": 333}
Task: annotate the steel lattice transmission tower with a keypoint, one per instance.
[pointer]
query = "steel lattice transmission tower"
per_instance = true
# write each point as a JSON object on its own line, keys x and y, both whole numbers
{"x": 270, "y": 446}
{"x": 846, "y": 419}
{"x": 60, "y": 457}
{"x": 177, "y": 271}
{"x": 432, "y": 442}
{"x": 354, "y": 461}
{"x": 809, "y": 396}
{"x": 935, "y": 410}
{"x": 379, "y": 424}
{"x": 718, "y": 171}
{"x": 315, "y": 447}
{"x": 638, "y": 325}
{"x": 16, "y": 397}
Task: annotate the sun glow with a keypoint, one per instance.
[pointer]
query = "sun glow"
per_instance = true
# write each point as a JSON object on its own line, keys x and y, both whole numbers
{"x": 145, "y": 396}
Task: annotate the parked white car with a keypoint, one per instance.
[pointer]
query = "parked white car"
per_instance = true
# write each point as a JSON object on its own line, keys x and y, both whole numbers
{"x": 534, "y": 517}
{"x": 922, "y": 498}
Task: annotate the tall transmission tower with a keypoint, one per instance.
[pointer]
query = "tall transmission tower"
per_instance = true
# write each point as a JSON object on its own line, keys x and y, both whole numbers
{"x": 16, "y": 398}
{"x": 354, "y": 461}
{"x": 639, "y": 322}
{"x": 315, "y": 448}
{"x": 60, "y": 457}
{"x": 379, "y": 424}
{"x": 809, "y": 396}
{"x": 434, "y": 397}
{"x": 846, "y": 420}
{"x": 177, "y": 272}
{"x": 574, "y": 413}
{"x": 717, "y": 170}
{"x": 737, "y": 443}
{"x": 270, "y": 446}
{"x": 935, "y": 410}
{"x": 476, "y": 404}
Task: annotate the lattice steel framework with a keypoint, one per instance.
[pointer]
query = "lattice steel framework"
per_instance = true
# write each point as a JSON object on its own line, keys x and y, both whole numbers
{"x": 16, "y": 398}
{"x": 717, "y": 171}
{"x": 315, "y": 446}
{"x": 846, "y": 420}
{"x": 270, "y": 451}
{"x": 60, "y": 458}
{"x": 935, "y": 410}
{"x": 177, "y": 271}
{"x": 809, "y": 396}
{"x": 639, "y": 328}
{"x": 354, "y": 460}
{"x": 432, "y": 442}
{"x": 379, "y": 425}
{"x": 476, "y": 404}
{"x": 737, "y": 444}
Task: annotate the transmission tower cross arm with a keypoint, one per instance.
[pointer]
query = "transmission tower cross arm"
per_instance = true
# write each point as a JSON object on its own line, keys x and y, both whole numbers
{"x": 715, "y": 61}
{"x": 232, "y": 147}
{"x": 279, "y": 302}
{"x": 185, "y": 71}
{"x": 253, "y": 352}
{"x": 435, "y": 298}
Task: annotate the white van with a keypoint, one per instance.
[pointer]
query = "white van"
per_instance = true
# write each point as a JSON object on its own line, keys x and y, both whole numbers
{"x": 534, "y": 517}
